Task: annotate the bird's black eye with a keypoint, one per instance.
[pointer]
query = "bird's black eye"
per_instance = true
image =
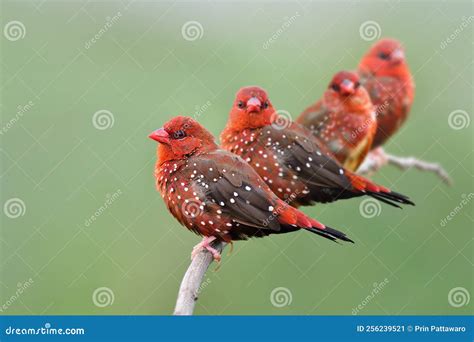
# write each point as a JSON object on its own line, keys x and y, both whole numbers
{"x": 356, "y": 85}
{"x": 335, "y": 87}
{"x": 179, "y": 134}
{"x": 241, "y": 104}
{"x": 265, "y": 105}
{"x": 384, "y": 56}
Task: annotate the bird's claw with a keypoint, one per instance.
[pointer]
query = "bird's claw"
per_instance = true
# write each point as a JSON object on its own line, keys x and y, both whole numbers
{"x": 205, "y": 244}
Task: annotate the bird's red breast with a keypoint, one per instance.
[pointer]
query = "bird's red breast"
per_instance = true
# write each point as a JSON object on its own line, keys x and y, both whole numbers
{"x": 343, "y": 120}
{"x": 215, "y": 193}
{"x": 385, "y": 74}
{"x": 292, "y": 161}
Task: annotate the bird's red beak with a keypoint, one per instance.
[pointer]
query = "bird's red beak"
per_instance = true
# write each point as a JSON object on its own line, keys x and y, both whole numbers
{"x": 397, "y": 56}
{"x": 160, "y": 135}
{"x": 253, "y": 105}
{"x": 347, "y": 87}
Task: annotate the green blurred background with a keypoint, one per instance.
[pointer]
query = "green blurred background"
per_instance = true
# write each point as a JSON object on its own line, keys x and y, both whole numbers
{"x": 143, "y": 72}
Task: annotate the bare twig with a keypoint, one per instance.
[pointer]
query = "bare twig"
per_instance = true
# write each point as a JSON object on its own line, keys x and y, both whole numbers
{"x": 370, "y": 165}
{"x": 191, "y": 283}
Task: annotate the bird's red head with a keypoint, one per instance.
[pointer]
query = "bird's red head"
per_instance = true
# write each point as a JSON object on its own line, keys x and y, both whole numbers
{"x": 345, "y": 90}
{"x": 385, "y": 58}
{"x": 251, "y": 109}
{"x": 345, "y": 83}
{"x": 181, "y": 137}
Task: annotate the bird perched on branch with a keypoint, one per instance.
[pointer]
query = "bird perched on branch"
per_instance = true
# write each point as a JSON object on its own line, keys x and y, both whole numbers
{"x": 289, "y": 158}
{"x": 343, "y": 120}
{"x": 218, "y": 195}
{"x": 385, "y": 74}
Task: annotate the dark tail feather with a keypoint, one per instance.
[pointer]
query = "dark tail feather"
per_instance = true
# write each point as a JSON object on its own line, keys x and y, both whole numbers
{"x": 379, "y": 192}
{"x": 330, "y": 233}
{"x": 391, "y": 198}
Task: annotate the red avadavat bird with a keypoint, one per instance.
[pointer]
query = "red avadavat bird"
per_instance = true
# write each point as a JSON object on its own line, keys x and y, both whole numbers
{"x": 343, "y": 120}
{"x": 218, "y": 195}
{"x": 289, "y": 158}
{"x": 385, "y": 74}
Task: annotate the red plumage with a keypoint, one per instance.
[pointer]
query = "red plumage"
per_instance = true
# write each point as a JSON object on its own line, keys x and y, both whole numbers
{"x": 216, "y": 194}
{"x": 289, "y": 158}
{"x": 385, "y": 74}
{"x": 343, "y": 120}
